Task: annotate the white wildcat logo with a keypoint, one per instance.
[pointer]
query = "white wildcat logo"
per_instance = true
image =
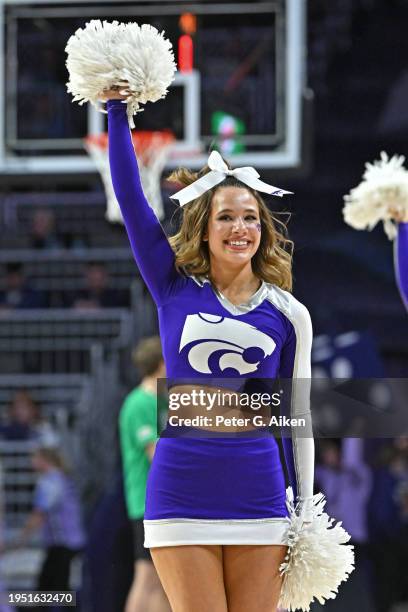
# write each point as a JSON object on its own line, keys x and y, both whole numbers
{"x": 219, "y": 345}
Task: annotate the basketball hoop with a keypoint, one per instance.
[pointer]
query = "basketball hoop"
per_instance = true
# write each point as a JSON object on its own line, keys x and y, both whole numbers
{"x": 152, "y": 150}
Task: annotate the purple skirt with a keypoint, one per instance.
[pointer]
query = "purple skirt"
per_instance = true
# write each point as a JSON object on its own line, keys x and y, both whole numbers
{"x": 219, "y": 490}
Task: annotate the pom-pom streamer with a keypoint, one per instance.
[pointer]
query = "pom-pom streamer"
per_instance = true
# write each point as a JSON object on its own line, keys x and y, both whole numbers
{"x": 382, "y": 193}
{"x": 136, "y": 60}
{"x": 318, "y": 558}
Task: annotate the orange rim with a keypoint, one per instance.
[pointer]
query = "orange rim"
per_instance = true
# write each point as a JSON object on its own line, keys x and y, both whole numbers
{"x": 142, "y": 140}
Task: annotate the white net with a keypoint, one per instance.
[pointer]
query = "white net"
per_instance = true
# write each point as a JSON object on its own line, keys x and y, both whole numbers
{"x": 153, "y": 149}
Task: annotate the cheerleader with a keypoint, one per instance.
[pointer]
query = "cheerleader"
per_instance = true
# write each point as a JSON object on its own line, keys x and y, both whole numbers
{"x": 216, "y": 515}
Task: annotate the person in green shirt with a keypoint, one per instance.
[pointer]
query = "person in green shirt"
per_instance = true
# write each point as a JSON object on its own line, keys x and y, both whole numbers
{"x": 138, "y": 421}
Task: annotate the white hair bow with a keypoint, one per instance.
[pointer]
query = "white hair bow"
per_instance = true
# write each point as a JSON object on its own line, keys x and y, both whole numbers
{"x": 219, "y": 171}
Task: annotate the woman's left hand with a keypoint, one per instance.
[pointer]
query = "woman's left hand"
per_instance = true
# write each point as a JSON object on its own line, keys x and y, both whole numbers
{"x": 398, "y": 215}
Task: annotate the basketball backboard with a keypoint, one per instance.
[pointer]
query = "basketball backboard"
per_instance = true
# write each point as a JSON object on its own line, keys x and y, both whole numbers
{"x": 244, "y": 94}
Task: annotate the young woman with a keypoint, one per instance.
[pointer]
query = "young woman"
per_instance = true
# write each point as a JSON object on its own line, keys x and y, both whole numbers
{"x": 215, "y": 506}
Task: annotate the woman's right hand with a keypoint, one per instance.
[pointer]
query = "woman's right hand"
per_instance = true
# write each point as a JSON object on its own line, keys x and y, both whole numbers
{"x": 113, "y": 93}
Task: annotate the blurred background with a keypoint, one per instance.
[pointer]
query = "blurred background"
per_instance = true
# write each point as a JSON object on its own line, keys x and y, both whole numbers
{"x": 306, "y": 92}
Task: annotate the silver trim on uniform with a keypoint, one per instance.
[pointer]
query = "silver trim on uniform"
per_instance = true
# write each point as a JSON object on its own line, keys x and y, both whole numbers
{"x": 172, "y": 521}
{"x": 303, "y": 448}
{"x": 254, "y": 301}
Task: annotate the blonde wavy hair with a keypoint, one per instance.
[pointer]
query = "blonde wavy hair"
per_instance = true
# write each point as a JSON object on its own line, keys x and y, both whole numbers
{"x": 271, "y": 263}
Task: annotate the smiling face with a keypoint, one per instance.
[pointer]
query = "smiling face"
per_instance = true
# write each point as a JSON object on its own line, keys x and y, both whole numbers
{"x": 234, "y": 226}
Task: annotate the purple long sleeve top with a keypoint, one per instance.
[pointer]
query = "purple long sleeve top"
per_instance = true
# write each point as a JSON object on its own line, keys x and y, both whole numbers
{"x": 204, "y": 336}
{"x": 401, "y": 261}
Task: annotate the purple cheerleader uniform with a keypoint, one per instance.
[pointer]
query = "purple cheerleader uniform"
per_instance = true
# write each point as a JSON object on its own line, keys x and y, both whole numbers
{"x": 401, "y": 267}
{"x": 217, "y": 489}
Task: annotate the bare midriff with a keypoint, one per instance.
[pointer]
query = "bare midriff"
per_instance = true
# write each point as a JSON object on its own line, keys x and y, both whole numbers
{"x": 219, "y": 409}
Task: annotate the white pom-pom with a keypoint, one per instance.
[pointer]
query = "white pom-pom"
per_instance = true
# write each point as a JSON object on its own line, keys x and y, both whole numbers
{"x": 137, "y": 60}
{"x": 318, "y": 558}
{"x": 384, "y": 188}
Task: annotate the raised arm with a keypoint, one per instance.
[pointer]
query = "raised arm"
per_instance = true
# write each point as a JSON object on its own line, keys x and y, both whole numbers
{"x": 151, "y": 249}
{"x": 295, "y": 364}
{"x": 401, "y": 261}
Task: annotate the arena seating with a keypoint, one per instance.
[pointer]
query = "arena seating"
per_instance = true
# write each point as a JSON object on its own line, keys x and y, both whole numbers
{"x": 59, "y": 340}
{"x": 49, "y": 272}
{"x": 63, "y": 398}
{"x": 79, "y": 219}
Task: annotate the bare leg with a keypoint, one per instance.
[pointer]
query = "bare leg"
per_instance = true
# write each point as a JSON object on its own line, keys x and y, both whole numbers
{"x": 145, "y": 589}
{"x": 192, "y": 577}
{"x": 251, "y": 574}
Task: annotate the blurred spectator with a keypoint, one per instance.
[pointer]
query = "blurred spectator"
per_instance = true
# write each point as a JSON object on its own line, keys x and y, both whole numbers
{"x": 56, "y": 510}
{"x": 43, "y": 234}
{"x": 402, "y": 496}
{"x": 1, "y": 509}
{"x": 108, "y": 562}
{"x": 25, "y": 422}
{"x": 3, "y": 606}
{"x": 343, "y": 476}
{"x": 138, "y": 436}
{"x": 17, "y": 292}
{"x": 97, "y": 293}
{"x": 346, "y": 480}
{"x": 388, "y": 519}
